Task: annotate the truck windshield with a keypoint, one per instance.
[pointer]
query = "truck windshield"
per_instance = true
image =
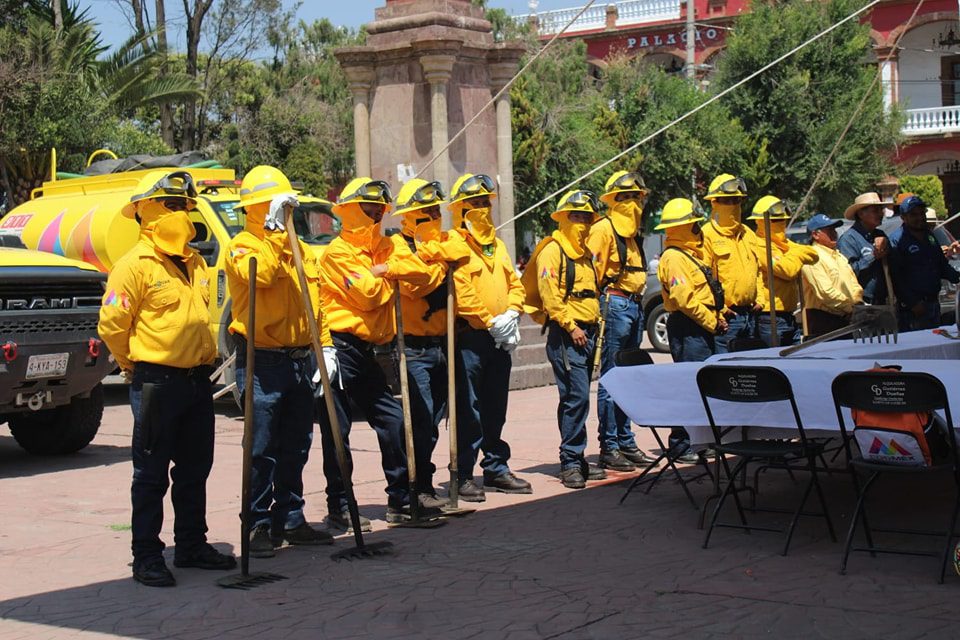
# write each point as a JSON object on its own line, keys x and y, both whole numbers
{"x": 231, "y": 217}
{"x": 314, "y": 225}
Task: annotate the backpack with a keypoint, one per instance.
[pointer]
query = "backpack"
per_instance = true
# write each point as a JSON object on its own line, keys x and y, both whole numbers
{"x": 566, "y": 278}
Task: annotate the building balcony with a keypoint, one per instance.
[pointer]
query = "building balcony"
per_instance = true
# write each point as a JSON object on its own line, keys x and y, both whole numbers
{"x": 932, "y": 122}
{"x": 624, "y": 13}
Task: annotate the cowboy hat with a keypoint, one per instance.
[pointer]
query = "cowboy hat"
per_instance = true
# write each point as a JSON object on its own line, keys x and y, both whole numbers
{"x": 864, "y": 200}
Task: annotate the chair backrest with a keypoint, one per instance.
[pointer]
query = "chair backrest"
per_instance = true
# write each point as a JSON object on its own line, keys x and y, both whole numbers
{"x": 631, "y": 357}
{"x": 748, "y": 385}
{"x": 745, "y": 344}
{"x": 891, "y": 392}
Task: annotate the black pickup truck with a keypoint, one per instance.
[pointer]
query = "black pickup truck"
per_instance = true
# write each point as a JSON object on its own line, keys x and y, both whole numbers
{"x": 51, "y": 360}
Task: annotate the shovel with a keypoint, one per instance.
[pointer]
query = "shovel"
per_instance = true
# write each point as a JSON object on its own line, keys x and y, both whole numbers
{"x": 246, "y": 580}
{"x": 361, "y": 550}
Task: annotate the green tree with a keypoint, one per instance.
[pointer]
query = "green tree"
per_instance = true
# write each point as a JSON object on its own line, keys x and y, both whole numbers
{"x": 929, "y": 188}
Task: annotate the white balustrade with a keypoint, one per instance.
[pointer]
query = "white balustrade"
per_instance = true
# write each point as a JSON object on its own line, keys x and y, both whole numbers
{"x": 629, "y": 12}
{"x": 932, "y": 121}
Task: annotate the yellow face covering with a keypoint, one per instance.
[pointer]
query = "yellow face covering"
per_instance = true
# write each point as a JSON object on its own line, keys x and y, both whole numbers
{"x": 684, "y": 238}
{"x": 625, "y": 217}
{"x": 255, "y": 216}
{"x": 726, "y": 216}
{"x": 778, "y": 232}
{"x": 427, "y": 231}
{"x": 572, "y": 237}
{"x": 357, "y": 228}
{"x": 150, "y": 211}
{"x": 480, "y": 225}
{"x": 173, "y": 232}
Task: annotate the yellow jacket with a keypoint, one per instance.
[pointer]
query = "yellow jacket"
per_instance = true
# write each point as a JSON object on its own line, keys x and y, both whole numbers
{"x": 151, "y": 313}
{"x": 551, "y": 273}
{"x": 830, "y": 285}
{"x": 733, "y": 262}
{"x": 281, "y": 319}
{"x": 418, "y": 319}
{"x": 486, "y": 286}
{"x": 602, "y": 243}
{"x": 786, "y": 270}
{"x": 357, "y": 302}
{"x": 684, "y": 288}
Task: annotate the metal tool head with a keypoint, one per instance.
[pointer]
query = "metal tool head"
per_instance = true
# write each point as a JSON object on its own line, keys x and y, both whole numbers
{"x": 365, "y": 551}
{"x": 248, "y": 581}
{"x": 875, "y": 321}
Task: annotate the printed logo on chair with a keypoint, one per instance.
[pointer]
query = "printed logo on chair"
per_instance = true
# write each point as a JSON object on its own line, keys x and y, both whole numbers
{"x": 881, "y": 446}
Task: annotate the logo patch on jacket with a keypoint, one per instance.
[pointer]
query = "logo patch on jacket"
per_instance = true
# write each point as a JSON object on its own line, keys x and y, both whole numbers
{"x": 112, "y": 299}
{"x": 348, "y": 280}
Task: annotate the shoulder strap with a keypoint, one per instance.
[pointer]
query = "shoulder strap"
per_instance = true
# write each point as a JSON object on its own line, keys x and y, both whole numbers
{"x": 715, "y": 288}
{"x": 622, "y": 254}
{"x": 567, "y": 276}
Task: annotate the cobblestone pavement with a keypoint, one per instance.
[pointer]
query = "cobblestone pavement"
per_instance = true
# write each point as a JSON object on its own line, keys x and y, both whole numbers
{"x": 557, "y": 564}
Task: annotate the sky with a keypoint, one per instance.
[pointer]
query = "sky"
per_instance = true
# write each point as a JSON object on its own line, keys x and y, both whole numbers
{"x": 115, "y": 28}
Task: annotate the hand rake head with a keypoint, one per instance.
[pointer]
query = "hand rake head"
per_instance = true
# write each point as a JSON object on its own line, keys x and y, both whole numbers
{"x": 248, "y": 581}
{"x": 364, "y": 551}
{"x": 875, "y": 321}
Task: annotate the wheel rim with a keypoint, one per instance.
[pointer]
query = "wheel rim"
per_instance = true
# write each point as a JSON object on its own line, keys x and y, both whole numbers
{"x": 660, "y": 328}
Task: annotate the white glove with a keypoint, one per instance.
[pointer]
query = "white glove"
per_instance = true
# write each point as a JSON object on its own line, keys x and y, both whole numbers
{"x": 504, "y": 325}
{"x": 511, "y": 341}
{"x": 330, "y": 361}
{"x": 274, "y": 221}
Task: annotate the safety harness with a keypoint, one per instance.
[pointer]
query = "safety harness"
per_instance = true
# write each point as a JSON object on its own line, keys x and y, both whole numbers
{"x": 715, "y": 287}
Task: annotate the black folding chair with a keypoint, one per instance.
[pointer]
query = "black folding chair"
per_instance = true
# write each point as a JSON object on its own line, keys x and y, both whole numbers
{"x": 894, "y": 392}
{"x": 745, "y": 344}
{"x": 758, "y": 385}
{"x": 634, "y": 357}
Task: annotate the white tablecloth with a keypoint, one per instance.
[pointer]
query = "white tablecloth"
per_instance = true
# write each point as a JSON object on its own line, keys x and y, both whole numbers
{"x": 667, "y": 395}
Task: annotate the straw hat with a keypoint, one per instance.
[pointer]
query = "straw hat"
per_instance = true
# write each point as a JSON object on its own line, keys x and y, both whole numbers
{"x": 931, "y": 215}
{"x": 864, "y": 200}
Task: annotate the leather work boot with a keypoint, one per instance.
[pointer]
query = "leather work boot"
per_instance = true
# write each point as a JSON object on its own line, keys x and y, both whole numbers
{"x": 507, "y": 483}
{"x": 615, "y": 461}
{"x": 636, "y": 456}
{"x": 153, "y": 572}
{"x": 470, "y": 491}
{"x": 261, "y": 544}
{"x": 204, "y": 557}
{"x": 431, "y": 500}
{"x": 592, "y": 471}
{"x": 572, "y": 478}
{"x": 306, "y": 535}
{"x": 398, "y": 515}
{"x": 341, "y": 521}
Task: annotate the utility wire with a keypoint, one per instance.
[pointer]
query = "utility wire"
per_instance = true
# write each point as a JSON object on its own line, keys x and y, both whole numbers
{"x": 692, "y": 111}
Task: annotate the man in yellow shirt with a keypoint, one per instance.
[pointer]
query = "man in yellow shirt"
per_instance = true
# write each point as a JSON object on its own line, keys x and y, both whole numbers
{"x": 283, "y": 370}
{"x": 830, "y": 287}
{"x": 489, "y": 302}
{"x": 788, "y": 258}
{"x": 359, "y": 272}
{"x": 617, "y": 247}
{"x": 728, "y": 250}
{"x": 154, "y": 320}
{"x": 561, "y": 287}
{"x": 424, "y": 308}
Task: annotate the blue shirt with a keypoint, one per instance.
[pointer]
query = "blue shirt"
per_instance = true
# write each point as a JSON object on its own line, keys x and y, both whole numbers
{"x": 857, "y": 246}
{"x": 920, "y": 264}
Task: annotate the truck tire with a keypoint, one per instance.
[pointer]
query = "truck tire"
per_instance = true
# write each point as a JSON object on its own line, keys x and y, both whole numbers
{"x": 657, "y": 328}
{"x": 60, "y": 430}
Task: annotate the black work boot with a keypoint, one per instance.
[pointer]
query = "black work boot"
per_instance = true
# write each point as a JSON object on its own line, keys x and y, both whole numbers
{"x": 153, "y": 572}
{"x": 401, "y": 514}
{"x": 572, "y": 478}
{"x": 342, "y": 521}
{"x": 261, "y": 543}
{"x": 430, "y": 500}
{"x": 636, "y": 455}
{"x": 204, "y": 557}
{"x": 615, "y": 461}
{"x": 470, "y": 491}
{"x": 507, "y": 483}
{"x": 591, "y": 471}
{"x": 306, "y": 535}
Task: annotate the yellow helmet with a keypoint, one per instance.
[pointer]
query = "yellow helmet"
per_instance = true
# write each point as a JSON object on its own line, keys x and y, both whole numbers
{"x": 471, "y": 185}
{"x": 365, "y": 190}
{"x": 621, "y": 182}
{"x": 262, "y": 184}
{"x": 162, "y": 184}
{"x": 577, "y": 200}
{"x": 726, "y": 185}
{"x": 779, "y": 210}
{"x": 417, "y": 194}
{"x": 677, "y": 212}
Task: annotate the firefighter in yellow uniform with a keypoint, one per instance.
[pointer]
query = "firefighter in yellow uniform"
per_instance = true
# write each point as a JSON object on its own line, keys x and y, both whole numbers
{"x": 424, "y": 308}
{"x": 617, "y": 247}
{"x": 359, "y": 274}
{"x": 154, "y": 320}
{"x": 692, "y": 296}
{"x": 283, "y": 366}
{"x": 788, "y": 259}
{"x": 489, "y": 302}
{"x": 562, "y": 292}
{"x": 728, "y": 249}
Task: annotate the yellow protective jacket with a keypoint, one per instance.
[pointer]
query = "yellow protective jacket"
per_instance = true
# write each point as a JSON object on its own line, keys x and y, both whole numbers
{"x": 486, "y": 286}
{"x": 786, "y": 271}
{"x": 731, "y": 257}
{"x": 418, "y": 299}
{"x": 684, "y": 287}
{"x": 602, "y": 243}
{"x": 281, "y": 318}
{"x": 830, "y": 285}
{"x": 550, "y": 269}
{"x": 152, "y": 313}
{"x": 357, "y": 302}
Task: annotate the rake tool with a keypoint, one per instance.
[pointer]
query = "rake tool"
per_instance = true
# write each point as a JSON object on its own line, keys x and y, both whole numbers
{"x": 246, "y": 580}
{"x": 361, "y": 550}
{"x": 866, "y": 323}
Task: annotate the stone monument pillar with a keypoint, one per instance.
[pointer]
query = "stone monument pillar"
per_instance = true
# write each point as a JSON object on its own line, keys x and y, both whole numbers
{"x": 429, "y": 67}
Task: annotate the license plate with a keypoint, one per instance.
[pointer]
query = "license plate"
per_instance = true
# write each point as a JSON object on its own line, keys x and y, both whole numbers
{"x": 50, "y": 365}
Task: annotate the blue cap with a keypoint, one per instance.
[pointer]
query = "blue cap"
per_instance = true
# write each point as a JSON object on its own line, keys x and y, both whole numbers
{"x": 820, "y": 221}
{"x": 911, "y": 202}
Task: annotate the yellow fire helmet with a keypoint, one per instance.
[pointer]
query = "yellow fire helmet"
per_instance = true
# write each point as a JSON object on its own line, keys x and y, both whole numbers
{"x": 469, "y": 185}
{"x": 726, "y": 185}
{"x": 577, "y": 200}
{"x": 677, "y": 212}
{"x": 417, "y": 194}
{"x": 162, "y": 184}
{"x": 621, "y": 182}
{"x": 365, "y": 189}
{"x": 262, "y": 184}
{"x": 779, "y": 210}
